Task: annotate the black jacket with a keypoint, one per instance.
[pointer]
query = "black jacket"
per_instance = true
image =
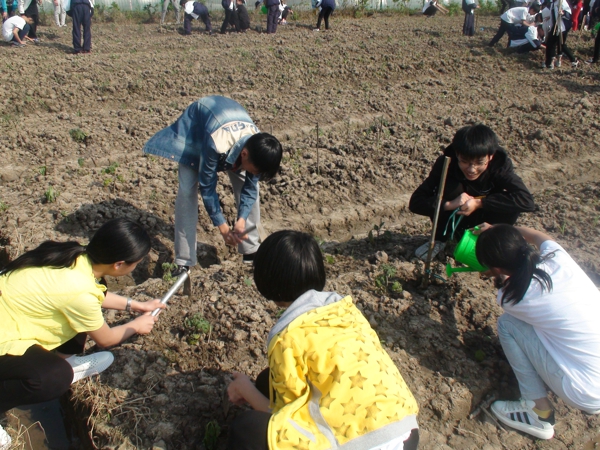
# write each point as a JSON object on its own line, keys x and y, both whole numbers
{"x": 243, "y": 17}
{"x": 501, "y": 187}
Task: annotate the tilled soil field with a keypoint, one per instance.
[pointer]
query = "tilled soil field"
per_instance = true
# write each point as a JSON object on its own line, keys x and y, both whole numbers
{"x": 387, "y": 93}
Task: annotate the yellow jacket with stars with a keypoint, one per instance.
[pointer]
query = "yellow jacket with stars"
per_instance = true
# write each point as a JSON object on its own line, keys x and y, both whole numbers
{"x": 332, "y": 384}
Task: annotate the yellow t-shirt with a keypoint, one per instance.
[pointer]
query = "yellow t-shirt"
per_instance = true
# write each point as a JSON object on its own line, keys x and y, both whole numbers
{"x": 47, "y": 307}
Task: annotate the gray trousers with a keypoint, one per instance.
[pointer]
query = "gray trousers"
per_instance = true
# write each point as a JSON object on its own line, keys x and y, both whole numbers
{"x": 177, "y": 11}
{"x": 186, "y": 216}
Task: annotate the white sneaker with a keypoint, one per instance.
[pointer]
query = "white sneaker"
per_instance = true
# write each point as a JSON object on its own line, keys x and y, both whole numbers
{"x": 520, "y": 415}
{"x": 86, "y": 366}
{"x": 421, "y": 252}
{"x": 5, "y": 440}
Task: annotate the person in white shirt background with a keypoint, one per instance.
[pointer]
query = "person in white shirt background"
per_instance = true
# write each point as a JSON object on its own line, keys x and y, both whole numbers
{"x": 15, "y": 29}
{"x": 521, "y": 15}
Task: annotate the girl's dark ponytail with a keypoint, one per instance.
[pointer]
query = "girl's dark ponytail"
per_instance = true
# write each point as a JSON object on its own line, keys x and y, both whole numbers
{"x": 117, "y": 240}
{"x": 503, "y": 247}
{"x": 48, "y": 254}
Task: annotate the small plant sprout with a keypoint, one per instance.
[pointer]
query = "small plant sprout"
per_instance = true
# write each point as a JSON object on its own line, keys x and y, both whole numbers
{"x": 330, "y": 259}
{"x": 111, "y": 169}
{"x": 81, "y": 162}
{"x": 248, "y": 281}
{"x": 197, "y": 325}
{"x": 78, "y": 135}
{"x": 383, "y": 281}
{"x": 167, "y": 269}
{"x": 3, "y": 206}
{"x": 43, "y": 170}
{"x": 211, "y": 435}
{"x": 51, "y": 194}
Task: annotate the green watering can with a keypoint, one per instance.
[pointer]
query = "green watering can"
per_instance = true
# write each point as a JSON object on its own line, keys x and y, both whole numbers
{"x": 465, "y": 253}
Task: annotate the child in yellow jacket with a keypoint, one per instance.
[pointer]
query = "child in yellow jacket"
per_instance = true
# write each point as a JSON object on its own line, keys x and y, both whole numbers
{"x": 329, "y": 381}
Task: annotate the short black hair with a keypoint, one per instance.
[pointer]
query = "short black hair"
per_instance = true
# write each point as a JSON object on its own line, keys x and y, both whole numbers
{"x": 287, "y": 264}
{"x": 475, "y": 141}
{"x": 265, "y": 152}
{"x": 535, "y": 6}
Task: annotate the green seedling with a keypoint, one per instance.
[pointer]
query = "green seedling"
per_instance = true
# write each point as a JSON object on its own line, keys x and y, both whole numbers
{"x": 383, "y": 281}
{"x": 168, "y": 268}
{"x": 248, "y": 281}
{"x": 479, "y": 355}
{"x": 197, "y": 325}
{"x": 81, "y": 162}
{"x": 563, "y": 228}
{"x": 78, "y": 135}
{"x": 211, "y": 435}
{"x": 3, "y": 206}
{"x": 51, "y": 194}
{"x": 111, "y": 169}
{"x": 42, "y": 170}
{"x": 330, "y": 259}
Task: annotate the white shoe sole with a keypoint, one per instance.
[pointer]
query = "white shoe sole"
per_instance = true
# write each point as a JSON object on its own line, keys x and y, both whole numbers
{"x": 533, "y": 431}
{"x": 89, "y": 365}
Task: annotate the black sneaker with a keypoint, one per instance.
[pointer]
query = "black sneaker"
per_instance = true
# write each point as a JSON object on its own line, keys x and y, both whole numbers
{"x": 248, "y": 259}
{"x": 179, "y": 270}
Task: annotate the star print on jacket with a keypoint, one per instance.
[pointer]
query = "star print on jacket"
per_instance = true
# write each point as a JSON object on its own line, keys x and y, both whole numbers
{"x": 333, "y": 383}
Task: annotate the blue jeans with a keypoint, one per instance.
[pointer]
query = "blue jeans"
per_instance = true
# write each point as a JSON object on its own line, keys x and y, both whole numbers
{"x": 533, "y": 366}
{"x": 186, "y": 216}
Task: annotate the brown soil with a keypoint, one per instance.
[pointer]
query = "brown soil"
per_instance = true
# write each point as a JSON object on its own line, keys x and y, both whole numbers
{"x": 387, "y": 93}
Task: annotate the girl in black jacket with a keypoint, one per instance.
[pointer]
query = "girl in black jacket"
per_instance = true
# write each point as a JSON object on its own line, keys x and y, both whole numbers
{"x": 481, "y": 185}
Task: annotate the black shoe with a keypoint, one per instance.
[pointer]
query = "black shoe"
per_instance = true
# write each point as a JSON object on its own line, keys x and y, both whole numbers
{"x": 248, "y": 259}
{"x": 179, "y": 270}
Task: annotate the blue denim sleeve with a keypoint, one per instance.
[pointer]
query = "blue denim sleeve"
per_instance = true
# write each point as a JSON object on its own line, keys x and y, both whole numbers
{"x": 248, "y": 195}
{"x": 207, "y": 185}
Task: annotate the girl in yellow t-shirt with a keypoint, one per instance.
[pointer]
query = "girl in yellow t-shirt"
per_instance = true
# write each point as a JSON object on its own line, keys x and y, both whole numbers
{"x": 50, "y": 301}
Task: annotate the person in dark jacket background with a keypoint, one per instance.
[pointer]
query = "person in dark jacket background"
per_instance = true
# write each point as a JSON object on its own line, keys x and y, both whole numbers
{"x": 481, "y": 185}
{"x": 243, "y": 18}
{"x": 272, "y": 15}
{"x": 230, "y": 16}
{"x": 327, "y": 8}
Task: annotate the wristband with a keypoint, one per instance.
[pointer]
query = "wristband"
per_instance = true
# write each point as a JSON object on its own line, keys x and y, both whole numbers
{"x": 128, "y": 305}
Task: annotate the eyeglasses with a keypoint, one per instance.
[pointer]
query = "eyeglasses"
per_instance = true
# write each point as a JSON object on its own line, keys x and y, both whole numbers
{"x": 475, "y": 163}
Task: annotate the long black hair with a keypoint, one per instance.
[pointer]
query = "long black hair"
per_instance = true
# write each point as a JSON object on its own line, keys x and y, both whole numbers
{"x": 287, "y": 264}
{"x": 117, "y": 240}
{"x": 503, "y": 247}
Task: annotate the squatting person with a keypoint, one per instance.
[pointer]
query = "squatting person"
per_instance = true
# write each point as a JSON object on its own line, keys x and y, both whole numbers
{"x": 481, "y": 186}
{"x": 50, "y": 302}
{"x": 329, "y": 383}
{"x": 549, "y": 330}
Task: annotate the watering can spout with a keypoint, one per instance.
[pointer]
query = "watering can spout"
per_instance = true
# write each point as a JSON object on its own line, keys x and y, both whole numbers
{"x": 450, "y": 270}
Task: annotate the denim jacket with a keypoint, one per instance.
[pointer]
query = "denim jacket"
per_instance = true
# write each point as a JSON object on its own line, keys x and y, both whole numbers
{"x": 210, "y": 136}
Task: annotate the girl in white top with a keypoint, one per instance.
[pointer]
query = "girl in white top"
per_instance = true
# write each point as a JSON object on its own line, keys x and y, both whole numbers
{"x": 549, "y": 331}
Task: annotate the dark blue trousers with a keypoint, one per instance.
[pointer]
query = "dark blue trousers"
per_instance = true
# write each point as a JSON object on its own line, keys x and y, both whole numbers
{"x": 272, "y": 18}
{"x": 22, "y": 33}
{"x": 82, "y": 17}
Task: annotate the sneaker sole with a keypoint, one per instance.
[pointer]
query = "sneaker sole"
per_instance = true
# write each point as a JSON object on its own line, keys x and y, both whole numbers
{"x": 99, "y": 368}
{"x": 528, "y": 429}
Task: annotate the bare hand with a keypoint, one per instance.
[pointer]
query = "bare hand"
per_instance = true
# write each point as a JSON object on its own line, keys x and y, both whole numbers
{"x": 239, "y": 229}
{"x": 469, "y": 207}
{"x": 458, "y": 202}
{"x": 229, "y": 235}
{"x": 481, "y": 228}
{"x": 148, "y": 306}
{"x": 237, "y": 387}
{"x": 144, "y": 324}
